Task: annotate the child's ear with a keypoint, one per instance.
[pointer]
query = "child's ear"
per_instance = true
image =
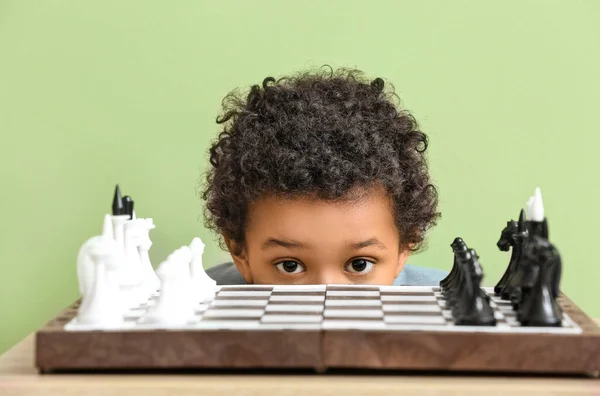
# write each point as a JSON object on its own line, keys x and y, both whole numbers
{"x": 240, "y": 259}
{"x": 402, "y": 258}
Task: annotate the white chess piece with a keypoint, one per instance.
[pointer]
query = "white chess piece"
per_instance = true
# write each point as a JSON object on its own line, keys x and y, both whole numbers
{"x": 150, "y": 279}
{"x": 118, "y": 222}
{"x": 184, "y": 258}
{"x": 187, "y": 257}
{"x": 85, "y": 264}
{"x": 528, "y": 208}
{"x": 204, "y": 286}
{"x": 175, "y": 307}
{"x": 131, "y": 274}
{"x": 97, "y": 270}
{"x": 537, "y": 207}
{"x": 102, "y": 306}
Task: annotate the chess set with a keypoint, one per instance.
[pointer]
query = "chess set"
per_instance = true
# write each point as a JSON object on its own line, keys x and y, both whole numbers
{"x": 131, "y": 317}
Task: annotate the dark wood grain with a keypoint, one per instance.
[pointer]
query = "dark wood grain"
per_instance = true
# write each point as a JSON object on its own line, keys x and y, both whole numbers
{"x": 486, "y": 352}
{"x": 57, "y": 349}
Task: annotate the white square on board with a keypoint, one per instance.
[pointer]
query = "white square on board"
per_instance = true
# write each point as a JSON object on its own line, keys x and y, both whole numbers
{"x": 291, "y": 318}
{"x": 407, "y": 298}
{"x": 406, "y": 289}
{"x": 227, "y": 325}
{"x": 411, "y": 308}
{"x": 297, "y": 298}
{"x": 240, "y": 303}
{"x": 310, "y": 308}
{"x": 300, "y": 288}
{"x": 408, "y": 319}
{"x": 353, "y": 303}
{"x": 233, "y": 313}
{"x": 335, "y": 324}
{"x": 350, "y": 294}
{"x": 242, "y": 294}
{"x": 353, "y": 313}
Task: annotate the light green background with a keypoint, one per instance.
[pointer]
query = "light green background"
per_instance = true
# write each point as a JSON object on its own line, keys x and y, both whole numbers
{"x": 98, "y": 92}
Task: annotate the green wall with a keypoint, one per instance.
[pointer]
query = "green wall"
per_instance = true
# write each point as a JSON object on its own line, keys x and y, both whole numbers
{"x": 98, "y": 92}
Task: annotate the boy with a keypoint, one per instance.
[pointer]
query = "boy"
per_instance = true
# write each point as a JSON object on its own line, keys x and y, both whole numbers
{"x": 319, "y": 178}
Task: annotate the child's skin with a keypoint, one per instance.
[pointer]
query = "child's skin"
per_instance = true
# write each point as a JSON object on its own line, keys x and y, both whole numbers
{"x": 309, "y": 241}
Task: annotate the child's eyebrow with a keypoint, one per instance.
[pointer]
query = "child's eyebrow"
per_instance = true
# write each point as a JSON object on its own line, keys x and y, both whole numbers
{"x": 369, "y": 242}
{"x": 273, "y": 242}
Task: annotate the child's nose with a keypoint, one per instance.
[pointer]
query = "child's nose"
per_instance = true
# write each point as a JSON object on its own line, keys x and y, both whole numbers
{"x": 332, "y": 278}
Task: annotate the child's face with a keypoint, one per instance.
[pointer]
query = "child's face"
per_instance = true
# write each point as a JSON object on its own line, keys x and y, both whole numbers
{"x": 304, "y": 241}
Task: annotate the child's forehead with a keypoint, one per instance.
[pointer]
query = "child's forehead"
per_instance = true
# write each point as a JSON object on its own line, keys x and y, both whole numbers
{"x": 320, "y": 227}
{"x": 310, "y": 215}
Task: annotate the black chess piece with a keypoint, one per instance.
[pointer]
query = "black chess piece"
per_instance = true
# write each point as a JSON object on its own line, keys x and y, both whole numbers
{"x": 539, "y": 228}
{"x": 128, "y": 205}
{"x": 555, "y": 287}
{"x": 515, "y": 279}
{"x": 458, "y": 291}
{"x": 555, "y": 276}
{"x": 457, "y": 245}
{"x": 473, "y": 308}
{"x": 452, "y": 272}
{"x": 527, "y": 274}
{"x": 459, "y": 294}
{"x": 520, "y": 295}
{"x": 526, "y": 278}
{"x": 117, "y": 204}
{"x": 542, "y": 308}
{"x": 456, "y": 285}
{"x": 506, "y": 243}
{"x": 544, "y": 229}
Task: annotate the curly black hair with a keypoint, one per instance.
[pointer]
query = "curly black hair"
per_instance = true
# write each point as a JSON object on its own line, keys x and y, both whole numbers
{"x": 320, "y": 133}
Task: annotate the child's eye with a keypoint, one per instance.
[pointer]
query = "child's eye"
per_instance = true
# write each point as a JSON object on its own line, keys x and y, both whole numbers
{"x": 360, "y": 266}
{"x": 290, "y": 267}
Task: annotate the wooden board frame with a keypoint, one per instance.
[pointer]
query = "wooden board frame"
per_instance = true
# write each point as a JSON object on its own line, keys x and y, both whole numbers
{"x": 60, "y": 350}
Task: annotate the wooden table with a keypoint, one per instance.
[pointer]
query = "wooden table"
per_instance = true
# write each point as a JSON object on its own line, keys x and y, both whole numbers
{"x": 18, "y": 376}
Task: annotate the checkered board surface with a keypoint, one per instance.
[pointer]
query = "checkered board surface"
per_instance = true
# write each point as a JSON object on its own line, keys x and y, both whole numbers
{"x": 331, "y": 307}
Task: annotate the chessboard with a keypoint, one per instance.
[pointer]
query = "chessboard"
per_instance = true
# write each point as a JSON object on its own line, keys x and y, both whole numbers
{"x": 324, "y": 327}
{"x": 133, "y": 317}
